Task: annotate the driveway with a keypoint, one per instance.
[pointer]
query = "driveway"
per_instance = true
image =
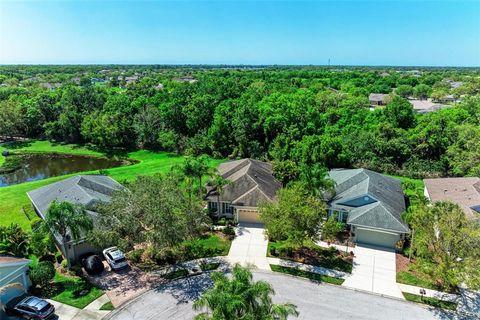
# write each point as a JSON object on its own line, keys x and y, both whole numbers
{"x": 314, "y": 301}
{"x": 123, "y": 285}
{"x": 374, "y": 270}
{"x": 250, "y": 247}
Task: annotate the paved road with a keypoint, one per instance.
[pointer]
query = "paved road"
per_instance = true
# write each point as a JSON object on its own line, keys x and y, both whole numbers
{"x": 315, "y": 301}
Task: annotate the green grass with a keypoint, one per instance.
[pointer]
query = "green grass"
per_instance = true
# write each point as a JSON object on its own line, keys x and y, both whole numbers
{"x": 13, "y": 198}
{"x": 431, "y": 301}
{"x": 411, "y": 279}
{"x": 107, "y": 306}
{"x": 74, "y": 291}
{"x": 180, "y": 273}
{"x": 326, "y": 257}
{"x": 214, "y": 244}
{"x": 306, "y": 274}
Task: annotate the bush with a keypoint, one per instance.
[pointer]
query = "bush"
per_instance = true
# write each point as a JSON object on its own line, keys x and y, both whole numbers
{"x": 135, "y": 256}
{"x": 64, "y": 264}
{"x": 42, "y": 273}
{"x": 58, "y": 257}
{"x": 229, "y": 231}
{"x": 222, "y": 221}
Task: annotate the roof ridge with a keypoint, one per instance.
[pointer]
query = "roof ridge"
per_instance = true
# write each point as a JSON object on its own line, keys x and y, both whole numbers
{"x": 388, "y": 210}
{"x": 244, "y": 194}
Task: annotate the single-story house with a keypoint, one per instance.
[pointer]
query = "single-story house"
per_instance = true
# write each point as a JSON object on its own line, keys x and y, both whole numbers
{"x": 87, "y": 190}
{"x": 378, "y": 99}
{"x": 250, "y": 182}
{"x": 424, "y": 106}
{"x": 371, "y": 204}
{"x": 463, "y": 191}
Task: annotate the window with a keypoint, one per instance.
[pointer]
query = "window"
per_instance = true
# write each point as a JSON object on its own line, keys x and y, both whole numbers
{"x": 342, "y": 215}
{"x": 227, "y": 208}
{"x": 212, "y": 206}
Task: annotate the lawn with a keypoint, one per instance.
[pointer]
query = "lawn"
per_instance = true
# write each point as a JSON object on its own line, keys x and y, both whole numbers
{"x": 14, "y": 198}
{"x": 107, "y": 306}
{"x": 415, "y": 280}
{"x": 180, "y": 273}
{"x": 431, "y": 301}
{"x": 73, "y": 290}
{"x": 306, "y": 274}
{"x": 209, "y": 246}
{"x": 311, "y": 254}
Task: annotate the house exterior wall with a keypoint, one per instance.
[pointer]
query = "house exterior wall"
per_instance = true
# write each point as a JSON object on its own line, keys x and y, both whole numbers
{"x": 15, "y": 273}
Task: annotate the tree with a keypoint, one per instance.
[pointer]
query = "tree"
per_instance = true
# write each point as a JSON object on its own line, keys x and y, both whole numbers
{"x": 154, "y": 210}
{"x": 331, "y": 228}
{"x": 444, "y": 236}
{"x": 314, "y": 178}
{"x": 241, "y": 298}
{"x": 404, "y": 90}
{"x": 422, "y": 91}
{"x": 297, "y": 216}
{"x": 15, "y": 241}
{"x": 42, "y": 273}
{"x": 70, "y": 221}
{"x": 463, "y": 153}
{"x": 400, "y": 113}
{"x": 285, "y": 171}
{"x": 219, "y": 182}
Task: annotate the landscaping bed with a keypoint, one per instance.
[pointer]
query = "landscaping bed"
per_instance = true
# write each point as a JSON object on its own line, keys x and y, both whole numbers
{"x": 306, "y": 274}
{"x": 312, "y": 254}
{"x": 437, "y": 303}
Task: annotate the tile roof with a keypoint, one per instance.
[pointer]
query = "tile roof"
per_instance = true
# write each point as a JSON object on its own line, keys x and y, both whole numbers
{"x": 463, "y": 191}
{"x": 251, "y": 181}
{"x": 384, "y": 213}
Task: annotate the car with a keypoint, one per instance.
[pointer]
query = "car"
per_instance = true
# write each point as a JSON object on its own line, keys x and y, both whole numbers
{"x": 115, "y": 258}
{"x": 92, "y": 263}
{"x": 29, "y": 307}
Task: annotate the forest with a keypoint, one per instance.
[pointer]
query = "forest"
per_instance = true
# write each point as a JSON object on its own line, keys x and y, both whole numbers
{"x": 292, "y": 116}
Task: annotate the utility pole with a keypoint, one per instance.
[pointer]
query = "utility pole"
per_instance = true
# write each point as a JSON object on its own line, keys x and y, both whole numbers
{"x": 329, "y": 62}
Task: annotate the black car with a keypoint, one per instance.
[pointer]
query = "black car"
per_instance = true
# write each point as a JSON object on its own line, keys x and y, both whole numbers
{"x": 92, "y": 263}
{"x": 30, "y": 307}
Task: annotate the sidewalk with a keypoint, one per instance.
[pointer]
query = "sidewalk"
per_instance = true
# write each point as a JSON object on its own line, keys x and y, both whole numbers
{"x": 339, "y": 247}
{"x": 429, "y": 293}
{"x": 308, "y": 267}
{"x": 90, "y": 312}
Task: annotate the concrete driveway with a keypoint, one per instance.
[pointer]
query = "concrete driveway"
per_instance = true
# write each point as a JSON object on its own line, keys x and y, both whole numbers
{"x": 374, "y": 270}
{"x": 250, "y": 247}
{"x": 314, "y": 301}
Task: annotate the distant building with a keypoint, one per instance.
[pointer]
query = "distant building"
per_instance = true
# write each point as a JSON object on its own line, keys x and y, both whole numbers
{"x": 454, "y": 84}
{"x": 131, "y": 79}
{"x": 463, "y": 191}
{"x": 378, "y": 99}
{"x": 425, "y": 106}
{"x": 50, "y": 86}
{"x": 188, "y": 79}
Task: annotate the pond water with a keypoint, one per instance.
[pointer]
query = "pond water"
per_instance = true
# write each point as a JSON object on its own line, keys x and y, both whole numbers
{"x": 40, "y": 166}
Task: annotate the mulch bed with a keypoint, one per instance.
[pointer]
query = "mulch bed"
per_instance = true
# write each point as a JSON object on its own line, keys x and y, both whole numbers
{"x": 401, "y": 262}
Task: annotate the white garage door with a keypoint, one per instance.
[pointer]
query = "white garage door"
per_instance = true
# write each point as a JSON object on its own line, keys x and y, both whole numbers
{"x": 377, "y": 238}
{"x": 248, "y": 216}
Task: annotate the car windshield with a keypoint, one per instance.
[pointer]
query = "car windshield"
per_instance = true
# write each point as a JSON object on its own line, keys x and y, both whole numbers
{"x": 45, "y": 308}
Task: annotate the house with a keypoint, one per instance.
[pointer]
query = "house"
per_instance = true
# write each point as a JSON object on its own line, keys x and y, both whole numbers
{"x": 14, "y": 270}
{"x": 250, "y": 183}
{"x": 371, "y": 204}
{"x": 88, "y": 190}
{"x": 378, "y": 99}
{"x": 424, "y": 106}
{"x": 188, "y": 79}
{"x": 463, "y": 191}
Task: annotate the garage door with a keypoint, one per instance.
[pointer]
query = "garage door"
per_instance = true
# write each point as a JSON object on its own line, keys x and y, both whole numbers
{"x": 377, "y": 238}
{"x": 247, "y": 216}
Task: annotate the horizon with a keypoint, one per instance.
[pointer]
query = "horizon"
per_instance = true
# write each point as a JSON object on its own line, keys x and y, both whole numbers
{"x": 249, "y": 33}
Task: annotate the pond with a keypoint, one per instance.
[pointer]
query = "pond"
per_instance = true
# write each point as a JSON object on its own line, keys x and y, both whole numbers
{"x": 20, "y": 168}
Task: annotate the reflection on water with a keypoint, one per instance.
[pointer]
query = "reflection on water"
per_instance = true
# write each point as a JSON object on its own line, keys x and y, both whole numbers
{"x": 41, "y": 166}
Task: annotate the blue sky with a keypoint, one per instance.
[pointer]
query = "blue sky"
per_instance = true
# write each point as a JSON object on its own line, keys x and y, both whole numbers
{"x": 442, "y": 33}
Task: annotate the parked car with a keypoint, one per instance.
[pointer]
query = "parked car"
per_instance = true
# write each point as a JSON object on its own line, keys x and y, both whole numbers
{"x": 29, "y": 307}
{"x": 115, "y": 258}
{"x": 92, "y": 263}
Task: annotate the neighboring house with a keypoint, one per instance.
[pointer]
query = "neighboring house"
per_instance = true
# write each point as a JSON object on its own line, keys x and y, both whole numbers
{"x": 463, "y": 191}
{"x": 371, "y": 204}
{"x": 250, "y": 183}
{"x": 188, "y": 79}
{"x": 378, "y": 99}
{"x": 14, "y": 270}
{"x": 424, "y": 106}
{"x": 88, "y": 190}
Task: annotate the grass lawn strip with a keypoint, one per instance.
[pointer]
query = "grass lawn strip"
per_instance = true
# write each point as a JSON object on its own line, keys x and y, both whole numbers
{"x": 406, "y": 277}
{"x": 107, "y": 306}
{"x": 306, "y": 274}
{"x": 180, "y": 273}
{"x": 434, "y": 302}
{"x": 209, "y": 266}
{"x": 14, "y": 198}
{"x": 74, "y": 291}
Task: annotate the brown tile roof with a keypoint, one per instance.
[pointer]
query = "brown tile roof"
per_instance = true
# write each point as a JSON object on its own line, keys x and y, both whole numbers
{"x": 463, "y": 191}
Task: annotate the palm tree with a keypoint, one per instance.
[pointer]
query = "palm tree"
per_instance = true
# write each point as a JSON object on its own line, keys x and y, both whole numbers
{"x": 239, "y": 297}
{"x": 315, "y": 179}
{"x": 201, "y": 169}
{"x": 13, "y": 240}
{"x": 66, "y": 218}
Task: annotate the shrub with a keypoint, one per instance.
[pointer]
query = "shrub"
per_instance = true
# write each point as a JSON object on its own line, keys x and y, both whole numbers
{"x": 209, "y": 266}
{"x": 42, "y": 273}
{"x": 58, "y": 257}
{"x": 222, "y": 221}
{"x": 64, "y": 264}
{"x": 229, "y": 231}
{"x": 135, "y": 255}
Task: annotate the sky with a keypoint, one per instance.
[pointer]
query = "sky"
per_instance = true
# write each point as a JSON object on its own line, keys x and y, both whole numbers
{"x": 408, "y": 33}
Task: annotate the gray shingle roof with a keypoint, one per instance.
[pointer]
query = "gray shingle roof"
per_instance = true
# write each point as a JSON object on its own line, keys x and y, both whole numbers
{"x": 385, "y": 213}
{"x": 82, "y": 189}
{"x": 250, "y": 182}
